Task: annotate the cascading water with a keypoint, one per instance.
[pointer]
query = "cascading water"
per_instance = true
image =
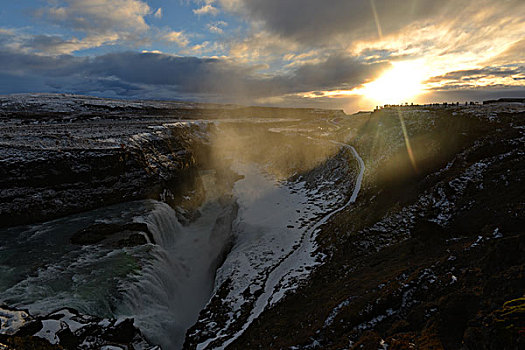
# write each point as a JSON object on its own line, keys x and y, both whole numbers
{"x": 177, "y": 283}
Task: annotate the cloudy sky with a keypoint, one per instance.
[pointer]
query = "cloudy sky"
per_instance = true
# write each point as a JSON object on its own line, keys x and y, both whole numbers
{"x": 350, "y": 54}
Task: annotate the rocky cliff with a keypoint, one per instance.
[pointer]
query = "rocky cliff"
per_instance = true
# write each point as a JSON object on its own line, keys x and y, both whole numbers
{"x": 431, "y": 256}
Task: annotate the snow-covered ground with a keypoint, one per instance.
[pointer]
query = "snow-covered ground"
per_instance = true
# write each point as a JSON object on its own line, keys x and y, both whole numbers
{"x": 286, "y": 272}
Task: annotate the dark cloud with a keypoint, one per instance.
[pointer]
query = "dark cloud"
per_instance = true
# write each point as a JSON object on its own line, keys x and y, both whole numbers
{"x": 159, "y": 76}
{"x": 475, "y": 74}
{"x": 314, "y": 21}
{"x": 188, "y": 74}
{"x": 324, "y": 23}
{"x": 166, "y": 76}
{"x": 30, "y": 64}
{"x": 13, "y": 83}
{"x": 336, "y": 72}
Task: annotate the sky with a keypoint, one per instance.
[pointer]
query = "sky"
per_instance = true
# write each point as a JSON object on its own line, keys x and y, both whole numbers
{"x": 351, "y": 54}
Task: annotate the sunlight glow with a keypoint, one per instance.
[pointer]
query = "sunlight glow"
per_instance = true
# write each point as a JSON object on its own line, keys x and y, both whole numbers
{"x": 402, "y": 83}
{"x": 398, "y": 85}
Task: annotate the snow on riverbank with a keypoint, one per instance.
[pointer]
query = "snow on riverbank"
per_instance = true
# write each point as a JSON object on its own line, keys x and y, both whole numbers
{"x": 275, "y": 248}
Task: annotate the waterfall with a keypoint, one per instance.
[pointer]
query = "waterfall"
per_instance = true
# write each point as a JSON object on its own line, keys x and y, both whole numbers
{"x": 177, "y": 282}
{"x": 164, "y": 225}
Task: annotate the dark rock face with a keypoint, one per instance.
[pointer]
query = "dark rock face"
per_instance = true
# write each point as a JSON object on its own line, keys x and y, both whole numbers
{"x": 95, "y": 233}
{"x": 133, "y": 240}
{"x": 60, "y": 163}
{"x": 29, "y": 328}
{"x": 27, "y": 342}
{"x": 68, "y": 329}
{"x": 69, "y": 182}
{"x": 123, "y": 332}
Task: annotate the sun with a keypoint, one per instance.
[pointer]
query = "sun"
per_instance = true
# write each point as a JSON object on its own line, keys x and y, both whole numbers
{"x": 400, "y": 84}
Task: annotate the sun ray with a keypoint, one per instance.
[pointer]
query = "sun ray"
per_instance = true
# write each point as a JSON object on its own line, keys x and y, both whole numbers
{"x": 376, "y": 19}
{"x": 407, "y": 141}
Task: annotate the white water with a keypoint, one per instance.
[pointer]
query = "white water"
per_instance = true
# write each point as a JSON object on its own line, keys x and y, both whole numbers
{"x": 177, "y": 283}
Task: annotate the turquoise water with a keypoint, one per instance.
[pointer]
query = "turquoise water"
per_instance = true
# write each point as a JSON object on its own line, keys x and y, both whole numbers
{"x": 163, "y": 286}
{"x": 42, "y": 271}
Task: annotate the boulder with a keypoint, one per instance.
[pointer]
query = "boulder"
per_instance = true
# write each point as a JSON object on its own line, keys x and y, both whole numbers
{"x": 99, "y": 232}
